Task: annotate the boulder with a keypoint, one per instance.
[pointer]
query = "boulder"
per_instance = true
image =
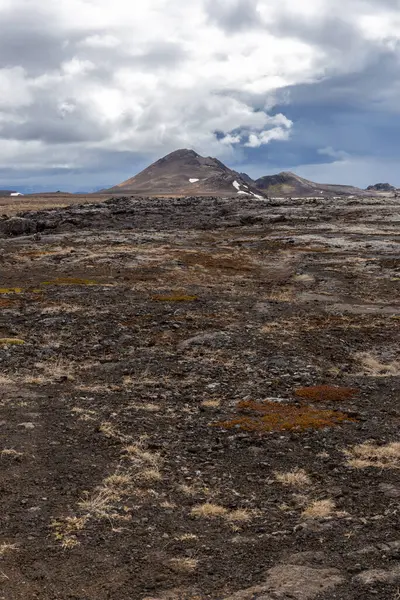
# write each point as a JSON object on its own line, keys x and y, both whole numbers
{"x": 18, "y": 226}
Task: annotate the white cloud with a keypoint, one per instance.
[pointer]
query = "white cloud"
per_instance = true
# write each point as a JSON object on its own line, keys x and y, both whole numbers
{"x": 152, "y": 76}
{"x": 229, "y": 139}
{"x": 257, "y": 140}
{"x": 15, "y": 92}
{"x": 332, "y": 153}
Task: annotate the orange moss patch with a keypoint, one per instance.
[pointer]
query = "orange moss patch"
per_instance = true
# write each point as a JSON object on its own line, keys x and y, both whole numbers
{"x": 37, "y": 254}
{"x": 326, "y": 393}
{"x": 175, "y": 298}
{"x": 282, "y": 417}
{"x": 6, "y": 303}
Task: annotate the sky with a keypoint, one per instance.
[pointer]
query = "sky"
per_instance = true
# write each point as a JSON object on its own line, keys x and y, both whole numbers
{"x": 92, "y": 91}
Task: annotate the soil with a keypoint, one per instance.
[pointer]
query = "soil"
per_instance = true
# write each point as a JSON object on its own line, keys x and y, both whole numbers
{"x": 134, "y": 337}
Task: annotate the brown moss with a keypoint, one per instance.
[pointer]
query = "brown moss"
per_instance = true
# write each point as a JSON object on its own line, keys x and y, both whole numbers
{"x": 70, "y": 281}
{"x": 326, "y": 393}
{"x": 274, "y": 416}
{"x": 6, "y": 303}
{"x": 214, "y": 261}
{"x": 37, "y": 254}
{"x": 175, "y": 298}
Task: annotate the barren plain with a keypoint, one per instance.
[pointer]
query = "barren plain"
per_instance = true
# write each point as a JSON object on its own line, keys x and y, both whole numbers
{"x": 200, "y": 400}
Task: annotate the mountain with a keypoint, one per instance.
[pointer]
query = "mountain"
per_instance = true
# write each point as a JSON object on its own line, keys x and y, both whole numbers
{"x": 186, "y": 173}
{"x": 247, "y": 178}
{"x": 288, "y": 184}
{"x": 381, "y": 187}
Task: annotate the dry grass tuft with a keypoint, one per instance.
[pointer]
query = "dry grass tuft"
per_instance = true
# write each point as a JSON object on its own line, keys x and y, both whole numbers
{"x": 370, "y": 455}
{"x": 216, "y": 403}
{"x": 61, "y": 307}
{"x": 194, "y": 490}
{"x": 112, "y": 432}
{"x": 66, "y": 529}
{"x": 325, "y": 393}
{"x": 373, "y": 367}
{"x": 5, "y": 548}
{"x": 150, "y": 475}
{"x": 187, "y": 537}
{"x": 107, "y": 500}
{"x": 53, "y": 370}
{"x": 284, "y": 294}
{"x": 282, "y": 417}
{"x": 148, "y": 407}
{"x": 118, "y": 481}
{"x": 138, "y": 454}
{"x": 241, "y": 515}
{"x": 209, "y": 511}
{"x": 11, "y": 453}
{"x": 84, "y": 415}
{"x": 183, "y": 565}
{"x": 297, "y": 478}
{"x": 319, "y": 509}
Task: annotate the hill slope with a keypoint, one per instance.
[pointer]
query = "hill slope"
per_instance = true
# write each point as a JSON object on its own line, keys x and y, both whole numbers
{"x": 289, "y": 184}
{"x": 381, "y": 187}
{"x": 183, "y": 173}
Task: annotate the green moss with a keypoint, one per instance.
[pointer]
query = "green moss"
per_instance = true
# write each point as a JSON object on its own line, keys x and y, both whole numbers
{"x": 15, "y": 290}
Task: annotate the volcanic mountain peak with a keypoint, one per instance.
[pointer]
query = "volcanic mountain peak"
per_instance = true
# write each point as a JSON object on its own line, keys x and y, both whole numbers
{"x": 184, "y": 172}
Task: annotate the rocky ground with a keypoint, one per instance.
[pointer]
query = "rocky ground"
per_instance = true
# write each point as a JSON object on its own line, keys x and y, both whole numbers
{"x": 200, "y": 401}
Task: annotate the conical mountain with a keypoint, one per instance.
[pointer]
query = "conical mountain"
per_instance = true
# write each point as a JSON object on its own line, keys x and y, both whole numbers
{"x": 186, "y": 173}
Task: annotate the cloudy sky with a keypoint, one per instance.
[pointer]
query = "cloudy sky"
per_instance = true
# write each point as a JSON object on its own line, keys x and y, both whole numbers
{"x": 91, "y": 91}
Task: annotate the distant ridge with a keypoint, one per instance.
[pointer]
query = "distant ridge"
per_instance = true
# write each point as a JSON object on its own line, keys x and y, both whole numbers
{"x": 186, "y": 173}
{"x": 381, "y": 187}
{"x": 287, "y": 184}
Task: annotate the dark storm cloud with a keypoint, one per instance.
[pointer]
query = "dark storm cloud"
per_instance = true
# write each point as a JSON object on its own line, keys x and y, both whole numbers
{"x": 354, "y": 114}
{"x": 369, "y": 88}
{"x": 48, "y": 126}
{"x": 328, "y": 31}
{"x": 27, "y": 40}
